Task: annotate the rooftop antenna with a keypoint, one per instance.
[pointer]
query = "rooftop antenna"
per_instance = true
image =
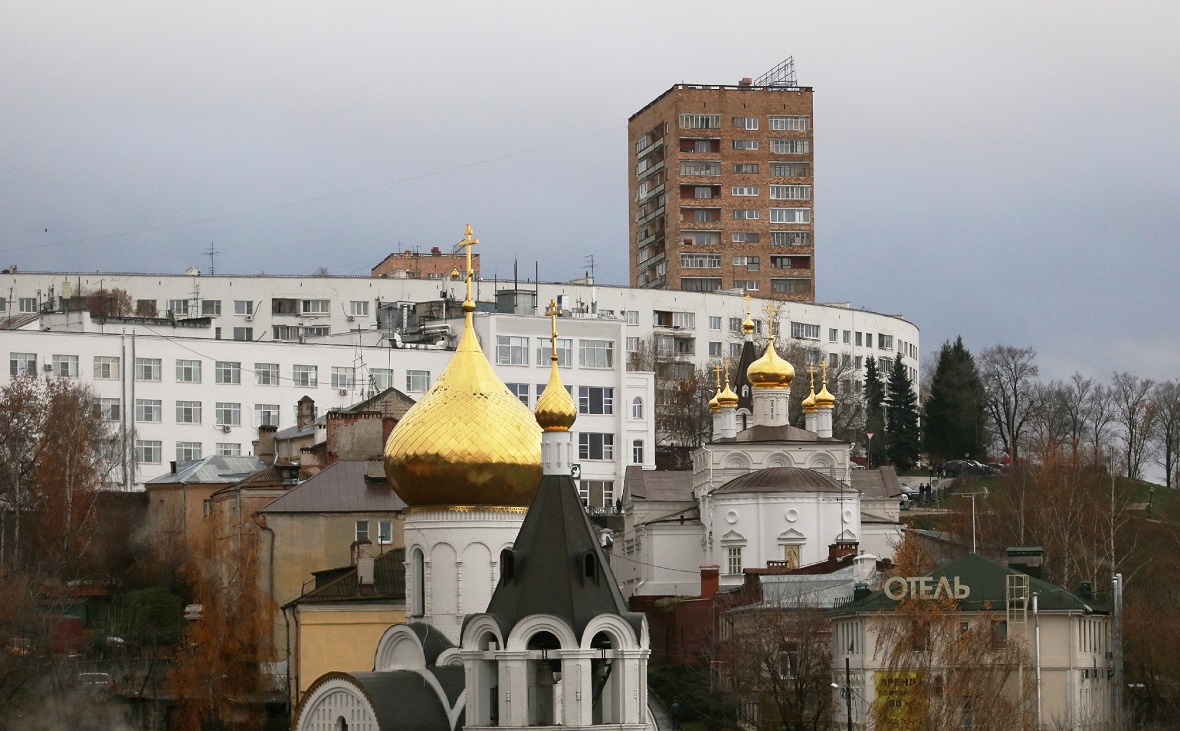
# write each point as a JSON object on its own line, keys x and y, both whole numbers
{"x": 782, "y": 76}
{"x": 590, "y": 263}
{"x": 211, "y": 252}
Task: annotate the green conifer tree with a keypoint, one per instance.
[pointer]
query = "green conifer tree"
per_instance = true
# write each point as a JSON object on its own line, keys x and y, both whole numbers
{"x": 874, "y": 391}
{"x": 903, "y": 436}
{"x": 955, "y": 423}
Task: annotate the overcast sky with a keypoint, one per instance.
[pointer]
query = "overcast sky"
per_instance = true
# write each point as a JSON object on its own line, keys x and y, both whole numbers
{"x": 1009, "y": 171}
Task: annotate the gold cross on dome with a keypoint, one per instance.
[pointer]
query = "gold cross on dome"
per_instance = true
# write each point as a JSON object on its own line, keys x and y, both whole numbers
{"x": 717, "y": 376}
{"x": 725, "y": 364}
{"x": 772, "y": 310}
{"x": 811, "y": 374}
{"x": 747, "y": 306}
{"x": 552, "y": 313}
{"x": 467, "y": 242}
{"x": 823, "y": 364}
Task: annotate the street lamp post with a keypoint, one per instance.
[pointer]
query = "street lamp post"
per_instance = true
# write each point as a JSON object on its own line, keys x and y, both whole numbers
{"x": 869, "y": 434}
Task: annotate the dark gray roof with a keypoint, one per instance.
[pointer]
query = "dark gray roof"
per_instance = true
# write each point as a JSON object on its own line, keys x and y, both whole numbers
{"x": 216, "y": 470}
{"x": 340, "y": 488}
{"x": 782, "y": 479}
{"x": 663, "y": 485}
{"x": 294, "y": 432}
{"x": 763, "y": 433}
{"x": 389, "y": 583}
{"x": 401, "y": 699}
{"x": 557, "y": 566}
{"x": 742, "y": 386}
{"x": 876, "y": 483}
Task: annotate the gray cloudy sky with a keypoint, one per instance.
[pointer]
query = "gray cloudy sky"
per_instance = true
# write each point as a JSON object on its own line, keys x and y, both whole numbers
{"x": 1005, "y": 170}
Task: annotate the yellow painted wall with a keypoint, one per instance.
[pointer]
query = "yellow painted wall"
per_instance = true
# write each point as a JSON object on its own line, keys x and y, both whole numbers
{"x": 341, "y": 639}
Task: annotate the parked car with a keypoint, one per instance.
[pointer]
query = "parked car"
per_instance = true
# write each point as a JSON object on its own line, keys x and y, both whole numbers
{"x": 95, "y": 682}
{"x": 957, "y": 467}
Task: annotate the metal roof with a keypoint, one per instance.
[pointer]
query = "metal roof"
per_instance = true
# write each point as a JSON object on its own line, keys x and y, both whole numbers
{"x": 782, "y": 479}
{"x": 341, "y": 487}
{"x": 662, "y": 485}
{"x": 763, "y": 433}
{"x": 215, "y": 469}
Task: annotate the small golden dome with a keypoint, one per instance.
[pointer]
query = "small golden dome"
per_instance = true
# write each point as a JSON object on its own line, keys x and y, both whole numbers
{"x": 714, "y": 406}
{"x": 748, "y": 325}
{"x": 824, "y": 399}
{"x": 809, "y": 403}
{"x": 770, "y": 371}
{"x": 555, "y": 408}
{"x": 727, "y": 399}
{"x": 469, "y": 440}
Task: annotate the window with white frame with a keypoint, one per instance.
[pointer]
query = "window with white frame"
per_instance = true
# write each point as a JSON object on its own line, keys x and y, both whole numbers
{"x": 637, "y": 408}
{"x": 700, "y": 121}
{"x": 188, "y": 451}
{"x": 748, "y": 285}
{"x": 847, "y": 337}
{"x": 745, "y": 190}
{"x": 790, "y": 238}
{"x": 596, "y": 446}
{"x": 417, "y": 381}
{"x": 565, "y": 352}
{"x": 790, "y": 215}
{"x": 632, "y": 317}
{"x": 188, "y": 371}
{"x": 228, "y": 449}
{"x": 243, "y": 307}
{"x": 65, "y": 366}
{"x": 700, "y": 284}
{"x": 868, "y": 340}
{"x": 884, "y": 342}
{"x": 700, "y": 261}
{"x": 715, "y": 349}
{"x": 382, "y": 378}
{"x": 701, "y": 238}
{"x": 745, "y": 237}
{"x": 178, "y": 308}
{"x": 149, "y": 411}
{"x": 790, "y": 147}
{"x": 684, "y": 320}
{"x": 735, "y": 350}
{"x": 149, "y": 369}
{"x": 244, "y": 334}
{"x": 188, "y": 412}
{"x": 790, "y": 169}
{"x": 26, "y": 304}
{"x": 384, "y": 532}
{"x": 790, "y": 192}
{"x": 266, "y": 374}
{"x": 108, "y": 409}
{"x": 307, "y": 376}
{"x": 596, "y": 354}
{"x": 512, "y": 350}
{"x": 596, "y": 400}
{"x": 804, "y": 331}
{"x": 700, "y": 167}
{"x": 106, "y": 367}
{"x": 745, "y": 144}
{"x": 632, "y": 344}
{"x": 833, "y": 334}
{"x": 149, "y": 451}
{"x": 520, "y": 391}
{"x": 714, "y": 322}
{"x": 343, "y": 377}
{"x": 228, "y": 414}
{"x": 210, "y": 308}
{"x": 314, "y": 307}
{"x": 227, "y": 372}
{"x": 745, "y": 168}
{"x": 266, "y": 415}
{"x": 637, "y": 451}
{"x": 749, "y": 263}
{"x": 745, "y": 122}
{"x": 796, "y": 123}
{"x": 358, "y": 308}
{"x": 733, "y": 560}
{"x": 745, "y": 214}
{"x": 362, "y": 530}
{"x": 597, "y": 493}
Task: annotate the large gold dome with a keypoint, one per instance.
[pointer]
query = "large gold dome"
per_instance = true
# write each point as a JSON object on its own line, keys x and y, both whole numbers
{"x": 770, "y": 371}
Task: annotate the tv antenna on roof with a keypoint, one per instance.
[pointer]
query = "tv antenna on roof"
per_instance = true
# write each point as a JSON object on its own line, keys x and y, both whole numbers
{"x": 782, "y": 75}
{"x": 211, "y": 252}
{"x": 590, "y": 263}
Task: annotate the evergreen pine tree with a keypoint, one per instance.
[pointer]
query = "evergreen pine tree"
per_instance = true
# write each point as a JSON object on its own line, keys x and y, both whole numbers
{"x": 903, "y": 436}
{"x": 955, "y": 423}
{"x": 874, "y": 391}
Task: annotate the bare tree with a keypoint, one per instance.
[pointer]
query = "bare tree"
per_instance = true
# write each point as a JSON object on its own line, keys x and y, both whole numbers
{"x": 1165, "y": 398}
{"x": 1134, "y": 412}
{"x": 1076, "y": 395}
{"x": 1009, "y": 378}
{"x": 1049, "y": 428}
{"x": 1099, "y": 415}
{"x": 110, "y": 303}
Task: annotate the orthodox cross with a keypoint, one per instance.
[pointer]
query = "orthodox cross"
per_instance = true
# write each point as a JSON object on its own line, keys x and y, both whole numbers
{"x": 467, "y": 242}
{"x": 552, "y": 314}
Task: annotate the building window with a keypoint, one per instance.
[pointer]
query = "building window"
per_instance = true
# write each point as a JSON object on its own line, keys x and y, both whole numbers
{"x": 790, "y": 147}
{"x": 188, "y": 371}
{"x": 511, "y": 350}
{"x": 833, "y": 334}
{"x": 868, "y": 340}
{"x": 178, "y": 308}
{"x": 382, "y": 378}
{"x": 358, "y": 308}
{"x": 884, "y": 342}
{"x": 107, "y": 408}
{"x": 637, "y": 408}
{"x": 745, "y": 190}
{"x": 362, "y": 530}
{"x": 750, "y": 263}
{"x": 188, "y": 451}
{"x": 632, "y": 344}
{"x": 745, "y": 214}
{"x": 632, "y": 317}
{"x": 343, "y": 377}
{"x": 714, "y": 322}
{"x": 596, "y": 446}
{"x": 314, "y": 307}
{"x": 245, "y": 334}
{"x": 266, "y": 374}
{"x": 748, "y": 285}
{"x": 701, "y": 238}
{"x": 520, "y": 391}
{"x": 149, "y": 369}
{"x": 227, "y": 372}
{"x": 243, "y": 307}
{"x": 790, "y": 215}
{"x": 596, "y": 400}
{"x": 385, "y": 532}
{"x": 794, "y": 123}
{"x": 745, "y": 168}
{"x": 700, "y": 261}
{"x": 745, "y": 122}
{"x": 803, "y": 331}
{"x": 746, "y": 237}
{"x": 735, "y": 350}
{"x": 417, "y": 381}
{"x": 790, "y": 170}
{"x": 228, "y": 414}
{"x": 790, "y": 286}
{"x": 209, "y": 308}
{"x": 188, "y": 412}
{"x": 790, "y": 192}
{"x": 733, "y": 560}
{"x": 790, "y": 238}
{"x": 148, "y": 451}
{"x": 565, "y": 352}
{"x": 684, "y": 320}
{"x": 637, "y": 451}
{"x": 700, "y": 167}
{"x": 228, "y": 449}
{"x": 745, "y": 144}
{"x": 714, "y": 348}
{"x": 597, "y": 493}
{"x": 27, "y": 304}
{"x": 700, "y": 121}
{"x": 149, "y": 411}
{"x": 700, "y": 284}
{"x": 305, "y": 375}
{"x": 847, "y": 337}
{"x": 65, "y": 366}
{"x": 596, "y": 354}
{"x": 266, "y": 415}
{"x": 106, "y": 367}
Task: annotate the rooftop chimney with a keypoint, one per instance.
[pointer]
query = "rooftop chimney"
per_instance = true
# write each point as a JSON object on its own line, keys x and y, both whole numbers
{"x": 265, "y": 450}
{"x": 306, "y": 411}
{"x": 746, "y": 82}
{"x": 1026, "y": 559}
{"x": 710, "y": 580}
{"x": 363, "y": 550}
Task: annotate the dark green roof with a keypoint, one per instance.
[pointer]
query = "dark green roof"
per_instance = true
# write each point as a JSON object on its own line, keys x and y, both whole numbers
{"x": 987, "y": 580}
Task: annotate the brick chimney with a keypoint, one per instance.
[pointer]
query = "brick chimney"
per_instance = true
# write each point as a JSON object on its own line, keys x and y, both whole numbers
{"x": 364, "y": 565}
{"x": 265, "y": 450}
{"x": 840, "y": 549}
{"x": 710, "y": 580}
{"x": 306, "y": 412}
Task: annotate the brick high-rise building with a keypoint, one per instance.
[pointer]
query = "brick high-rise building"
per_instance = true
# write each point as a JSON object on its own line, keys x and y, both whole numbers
{"x": 720, "y": 184}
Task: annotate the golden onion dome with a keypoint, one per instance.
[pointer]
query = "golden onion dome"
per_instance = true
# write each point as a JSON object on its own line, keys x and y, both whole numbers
{"x": 824, "y": 399}
{"x": 809, "y": 406}
{"x": 714, "y": 406}
{"x": 469, "y": 441}
{"x": 748, "y": 325}
{"x": 727, "y": 399}
{"x": 555, "y": 408}
{"x": 770, "y": 371}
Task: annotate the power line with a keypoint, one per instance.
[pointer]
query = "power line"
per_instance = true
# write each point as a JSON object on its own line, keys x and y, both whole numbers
{"x": 305, "y": 201}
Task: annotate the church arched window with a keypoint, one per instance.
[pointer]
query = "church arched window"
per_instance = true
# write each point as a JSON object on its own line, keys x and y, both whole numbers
{"x": 418, "y": 581}
{"x": 637, "y": 408}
